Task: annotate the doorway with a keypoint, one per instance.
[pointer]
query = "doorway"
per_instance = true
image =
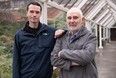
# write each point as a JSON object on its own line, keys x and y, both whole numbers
{"x": 113, "y": 34}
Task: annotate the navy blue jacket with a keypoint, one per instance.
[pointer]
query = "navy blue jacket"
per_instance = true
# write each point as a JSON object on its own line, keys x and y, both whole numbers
{"x": 31, "y": 53}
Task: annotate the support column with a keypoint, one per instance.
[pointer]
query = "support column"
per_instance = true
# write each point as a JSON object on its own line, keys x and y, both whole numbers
{"x": 88, "y": 25}
{"x": 96, "y": 34}
{"x": 104, "y": 32}
{"x": 96, "y": 31}
{"x": 43, "y": 18}
{"x": 100, "y": 37}
{"x": 109, "y": 34}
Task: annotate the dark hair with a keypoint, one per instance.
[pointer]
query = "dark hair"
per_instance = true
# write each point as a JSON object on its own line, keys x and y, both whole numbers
{"x": 34, "y": 3}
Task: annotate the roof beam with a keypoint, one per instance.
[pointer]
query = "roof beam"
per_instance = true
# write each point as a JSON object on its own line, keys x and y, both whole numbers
{"x": 110, "y": 24}
{"x": 82, "y": 3}
{"x": 111, "y": 4}
{"x": 76, "y": 3}
{"x": 105, "y": 19}
{"x": 96, "y": 9}
{"x": 55, "y": 5}
{"x": 102, "y": 15}
{"x": 113, "y": 13}
{"x": 112, "y": 7}
{"x": 108, "y": 21}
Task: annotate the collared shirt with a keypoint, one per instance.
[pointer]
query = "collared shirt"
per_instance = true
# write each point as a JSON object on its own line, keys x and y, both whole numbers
{"x": 71, "y": 37}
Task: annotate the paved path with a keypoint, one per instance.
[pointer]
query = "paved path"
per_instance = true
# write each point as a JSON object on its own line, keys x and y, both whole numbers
{"x": 106, "y": 61}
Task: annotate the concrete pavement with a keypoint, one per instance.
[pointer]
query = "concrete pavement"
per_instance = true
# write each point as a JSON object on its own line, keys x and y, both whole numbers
{"x": 106, "y": 61}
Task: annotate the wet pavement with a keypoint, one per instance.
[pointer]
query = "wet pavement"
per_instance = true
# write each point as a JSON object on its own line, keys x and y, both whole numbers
{"x": 106, "y": 61}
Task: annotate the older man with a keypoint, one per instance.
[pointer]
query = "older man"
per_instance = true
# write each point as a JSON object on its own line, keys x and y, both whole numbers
{"x": 74, "y": 52}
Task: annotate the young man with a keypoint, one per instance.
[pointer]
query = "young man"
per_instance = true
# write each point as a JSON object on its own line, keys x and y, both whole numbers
{"x": 74, "y": 52}
{"x": 32, "y": 46}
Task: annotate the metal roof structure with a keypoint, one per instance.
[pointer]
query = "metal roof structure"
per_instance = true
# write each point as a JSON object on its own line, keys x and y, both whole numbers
{"x": 99, "y": 14}
{"x": 102, "y": 12}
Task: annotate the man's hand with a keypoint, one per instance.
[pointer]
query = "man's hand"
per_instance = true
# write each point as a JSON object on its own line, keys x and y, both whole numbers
{"x": 74, "y": 64}
{"x": 58, "y": 33}
{"x": 59, "y": 54}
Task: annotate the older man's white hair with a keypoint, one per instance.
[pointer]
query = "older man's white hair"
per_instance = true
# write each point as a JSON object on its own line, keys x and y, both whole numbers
{"x": 76, "y": 10}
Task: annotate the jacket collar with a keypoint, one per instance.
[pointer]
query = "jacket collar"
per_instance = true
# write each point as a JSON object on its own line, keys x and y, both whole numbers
{"x": 81, "y": 32}
{"x": 41, "y": 27}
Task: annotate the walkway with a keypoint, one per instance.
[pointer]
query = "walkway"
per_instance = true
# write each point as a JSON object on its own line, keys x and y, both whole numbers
{"x": 106, "y": 61}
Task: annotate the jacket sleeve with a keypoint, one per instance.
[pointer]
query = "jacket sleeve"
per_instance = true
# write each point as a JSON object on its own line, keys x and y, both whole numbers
{"x": 55, "y": 60}
{"x": 16, "y": 58}
{"x": 83, "y": 56}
